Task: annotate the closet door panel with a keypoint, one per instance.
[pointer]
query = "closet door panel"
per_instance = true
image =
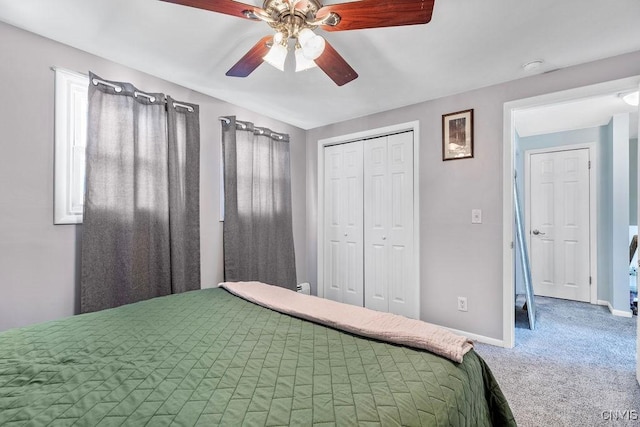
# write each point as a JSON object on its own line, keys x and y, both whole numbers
{"x": 376, "y": 224}
{"x": 343, "y": 241}
{"x": 333, "y": 273}
{"x": 368, "y": 242}
{"x": 353, "y": 223}
{"x": 403, "y": 289}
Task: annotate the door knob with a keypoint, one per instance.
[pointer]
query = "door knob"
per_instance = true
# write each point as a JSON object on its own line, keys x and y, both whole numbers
{"x": 345, "y": 234}
{"x": 538, "y": 233}
{"x": 384, "y": 237}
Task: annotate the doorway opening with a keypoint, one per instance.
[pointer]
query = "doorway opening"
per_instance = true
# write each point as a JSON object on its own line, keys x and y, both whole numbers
{"x": 518, "y": 122}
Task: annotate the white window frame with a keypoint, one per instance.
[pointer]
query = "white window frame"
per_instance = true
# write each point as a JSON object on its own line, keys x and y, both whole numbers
{"x": 221, "y": 216}
{"x": 71, "y": 99}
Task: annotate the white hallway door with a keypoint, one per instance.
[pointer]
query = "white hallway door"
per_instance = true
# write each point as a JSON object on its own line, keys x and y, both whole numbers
{"x": 368, "y": 244}
{"x": 559, "y": 222}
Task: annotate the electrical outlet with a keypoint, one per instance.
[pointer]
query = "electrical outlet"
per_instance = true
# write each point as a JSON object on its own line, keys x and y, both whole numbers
{"x": 462, "y": 303}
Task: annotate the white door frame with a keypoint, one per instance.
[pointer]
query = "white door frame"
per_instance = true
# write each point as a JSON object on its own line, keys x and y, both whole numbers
{"x": 508, "y": 135}
{"x": 369, "y": 134}
{"x": 593, "y": 211}
{"x": 638, "y": 278}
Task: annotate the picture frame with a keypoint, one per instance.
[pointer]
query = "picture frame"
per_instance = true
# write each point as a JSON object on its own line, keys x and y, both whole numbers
{"x": 457, "y": 135}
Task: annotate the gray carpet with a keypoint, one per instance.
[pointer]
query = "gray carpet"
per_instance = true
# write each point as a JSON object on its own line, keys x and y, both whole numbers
{"x": 579, "y": 362}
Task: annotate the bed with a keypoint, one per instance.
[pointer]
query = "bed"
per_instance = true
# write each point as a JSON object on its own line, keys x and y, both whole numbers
{"x": 209, "y": 357}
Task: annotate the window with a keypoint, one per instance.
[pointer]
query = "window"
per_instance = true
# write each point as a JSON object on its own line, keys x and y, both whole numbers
{"x": 71, "y": 92}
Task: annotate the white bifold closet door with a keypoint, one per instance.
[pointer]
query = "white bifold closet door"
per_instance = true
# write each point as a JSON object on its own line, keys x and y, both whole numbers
{"x": 343, "y": 245}
{"x": 368, "y": 224}
{"x": 388, "y": 225}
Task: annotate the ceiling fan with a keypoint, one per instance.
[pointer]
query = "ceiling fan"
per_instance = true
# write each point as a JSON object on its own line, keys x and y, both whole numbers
{"x": 296, "y": 19}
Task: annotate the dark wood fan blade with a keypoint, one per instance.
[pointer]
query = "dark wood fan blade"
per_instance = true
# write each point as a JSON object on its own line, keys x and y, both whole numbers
{"x": 335, "y": 66}
{"x": 251, "y": 60}
{"x": 227, "y": 7}
{"x": 301, "y": 4}
{"x": 378, "y": 13}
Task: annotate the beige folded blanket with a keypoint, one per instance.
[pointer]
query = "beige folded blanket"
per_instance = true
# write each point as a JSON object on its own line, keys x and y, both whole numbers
{"x": 357, "y": 320}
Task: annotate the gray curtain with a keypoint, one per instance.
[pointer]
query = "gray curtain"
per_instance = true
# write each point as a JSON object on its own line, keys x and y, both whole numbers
{"x": 258, "y": 233}
{"x": 141, "y": 236}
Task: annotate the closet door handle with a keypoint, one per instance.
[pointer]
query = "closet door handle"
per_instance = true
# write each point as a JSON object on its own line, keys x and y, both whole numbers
{"x": 345, "y": 234}
{"x": 384, "y": 237}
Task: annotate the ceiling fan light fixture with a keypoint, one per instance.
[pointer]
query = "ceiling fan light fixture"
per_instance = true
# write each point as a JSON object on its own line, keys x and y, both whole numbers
{"x": 631, "y": 98}
{"x": 276, "y": 56}
{"x": 278, "y": 37}
{"x": 304, "y": 35}
{"x": 278, "y": 52}
{"x": 302, "y": 62}
{"x": 311, "y": 43}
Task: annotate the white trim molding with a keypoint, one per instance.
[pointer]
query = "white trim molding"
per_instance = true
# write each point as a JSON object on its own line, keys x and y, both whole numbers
{"x": 479, "y": 338}
{"x": 620, "y": 313}
{"x": 71, "y": 92}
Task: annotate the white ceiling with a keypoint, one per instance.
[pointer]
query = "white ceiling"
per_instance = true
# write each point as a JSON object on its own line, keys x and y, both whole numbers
{"x": 579, "y": 114}
{"x": 467, "y": 45}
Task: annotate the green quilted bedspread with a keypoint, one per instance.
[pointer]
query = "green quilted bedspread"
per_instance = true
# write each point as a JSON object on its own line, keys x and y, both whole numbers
{"x": 210, "y": 358}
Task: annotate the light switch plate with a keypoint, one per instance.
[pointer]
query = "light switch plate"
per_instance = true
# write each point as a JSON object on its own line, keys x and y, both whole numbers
{"x": 476, "y": 216}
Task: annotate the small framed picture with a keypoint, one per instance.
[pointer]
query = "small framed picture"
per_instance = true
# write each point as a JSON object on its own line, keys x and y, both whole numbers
{"x": 457, "y": 135}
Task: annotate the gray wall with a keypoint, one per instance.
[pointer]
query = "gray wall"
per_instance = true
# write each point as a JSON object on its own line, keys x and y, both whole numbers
{"x": 458, "y": 259}
{"x": 39, "y": 261}
{"x": 603, "y": 154}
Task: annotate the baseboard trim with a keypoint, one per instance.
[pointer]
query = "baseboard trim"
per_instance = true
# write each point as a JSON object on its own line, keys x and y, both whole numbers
{"x": 621, "y": 313}
{"x": 479, "y": 338}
